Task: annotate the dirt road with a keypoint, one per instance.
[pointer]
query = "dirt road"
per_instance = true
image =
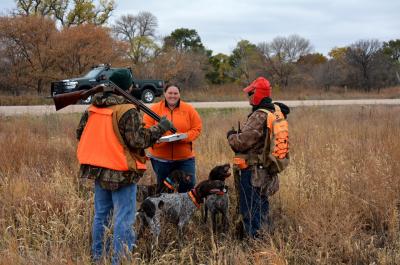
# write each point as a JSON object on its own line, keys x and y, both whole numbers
{"x": 41, "y": 110}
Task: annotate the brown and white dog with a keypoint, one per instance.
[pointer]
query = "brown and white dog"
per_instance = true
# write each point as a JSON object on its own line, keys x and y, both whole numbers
{"x": 169, "y": 185}
{"x": 176, "y": 208}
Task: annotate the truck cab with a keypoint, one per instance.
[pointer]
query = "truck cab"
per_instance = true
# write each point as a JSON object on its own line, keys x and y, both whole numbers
{"x": 146, "y": 90}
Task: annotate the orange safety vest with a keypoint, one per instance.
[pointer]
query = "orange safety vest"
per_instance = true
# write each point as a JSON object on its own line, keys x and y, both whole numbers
{"x": 276, "y": 148}
{"x": 101, "y": 143}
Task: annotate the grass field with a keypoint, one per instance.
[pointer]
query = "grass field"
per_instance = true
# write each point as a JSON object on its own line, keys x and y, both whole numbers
{"x": 338, "y": 201}
{"x": 232, "y": 92}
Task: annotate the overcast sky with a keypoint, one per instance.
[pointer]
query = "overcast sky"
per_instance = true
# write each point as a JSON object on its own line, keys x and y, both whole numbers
{"x": 222, "y": 23}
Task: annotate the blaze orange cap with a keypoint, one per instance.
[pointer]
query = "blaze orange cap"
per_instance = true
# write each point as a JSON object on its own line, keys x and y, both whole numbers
{"x": 261, "y": 88}
{"x": 260, "y": 83}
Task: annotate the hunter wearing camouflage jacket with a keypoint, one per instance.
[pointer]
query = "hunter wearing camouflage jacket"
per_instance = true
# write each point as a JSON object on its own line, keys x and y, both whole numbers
{"x": 251, "y": 142}
{"x": 252, "y": 137}
{"x": 253, "y": 182}
{"x": 134, "y": 134}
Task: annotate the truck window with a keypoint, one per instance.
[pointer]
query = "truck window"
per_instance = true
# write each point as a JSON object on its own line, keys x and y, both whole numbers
{"x": 93, "y": 73}
{"x": 108, "y": 72}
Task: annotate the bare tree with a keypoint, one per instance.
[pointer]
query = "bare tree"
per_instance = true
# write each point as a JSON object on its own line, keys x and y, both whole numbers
{"x": 282, "y": 53}
{"x": 139, "y": 32}
{"x": 363, "y": 56}
{"x": 147, "y": 24}
{"x": 126, "y": 27}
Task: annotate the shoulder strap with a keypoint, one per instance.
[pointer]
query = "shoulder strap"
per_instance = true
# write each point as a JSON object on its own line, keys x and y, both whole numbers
{"x": 270, "y": 117}
{"x": 277, "y": 108}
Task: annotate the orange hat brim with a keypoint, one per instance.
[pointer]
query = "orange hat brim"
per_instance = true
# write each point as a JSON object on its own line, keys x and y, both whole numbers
{"x": 250, "y": 88}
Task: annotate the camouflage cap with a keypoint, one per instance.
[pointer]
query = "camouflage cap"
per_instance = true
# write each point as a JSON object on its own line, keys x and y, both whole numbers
{"x": 122, "y": 78}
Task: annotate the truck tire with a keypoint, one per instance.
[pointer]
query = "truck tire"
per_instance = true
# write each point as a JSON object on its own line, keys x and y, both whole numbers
{"x": 148, "y": 96}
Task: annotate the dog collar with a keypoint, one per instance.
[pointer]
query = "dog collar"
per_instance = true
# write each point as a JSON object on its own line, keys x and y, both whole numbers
{"x": 223, "y": 191}
{"x": 192, "y": 196}
{"x": 168, "y": 182}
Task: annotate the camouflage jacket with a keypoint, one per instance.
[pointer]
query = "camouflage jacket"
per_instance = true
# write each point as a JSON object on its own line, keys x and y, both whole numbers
{"x": 251, "y": 141}
{"x": 134, "y": 134}
{"x": 252, "y": 137}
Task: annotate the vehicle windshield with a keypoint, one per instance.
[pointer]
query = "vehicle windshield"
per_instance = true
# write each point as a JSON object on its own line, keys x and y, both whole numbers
{"x": 93, "y": 73}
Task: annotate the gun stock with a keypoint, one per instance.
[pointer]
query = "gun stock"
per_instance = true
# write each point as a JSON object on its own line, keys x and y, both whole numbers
{"x": 63, "y": 100}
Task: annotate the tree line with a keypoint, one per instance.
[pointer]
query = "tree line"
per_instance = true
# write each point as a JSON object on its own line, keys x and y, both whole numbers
{"x": 46, "y": 40}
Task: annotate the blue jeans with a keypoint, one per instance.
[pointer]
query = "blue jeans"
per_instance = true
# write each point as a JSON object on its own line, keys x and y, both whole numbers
{"x": 122, "y": 204}
{"x": 163, "y": 169}
{"x": 253, "y": 206}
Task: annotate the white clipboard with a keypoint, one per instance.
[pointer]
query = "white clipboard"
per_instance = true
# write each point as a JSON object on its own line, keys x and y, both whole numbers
{"x": 172, "y": 138}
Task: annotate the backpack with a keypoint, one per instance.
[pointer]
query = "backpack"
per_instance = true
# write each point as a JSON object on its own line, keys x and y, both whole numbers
{"x": 275, "y": 155}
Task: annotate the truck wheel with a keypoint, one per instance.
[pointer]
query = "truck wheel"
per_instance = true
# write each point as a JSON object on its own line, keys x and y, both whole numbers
{"x": 148, "y": 96}
{"x": 88, "y": 100}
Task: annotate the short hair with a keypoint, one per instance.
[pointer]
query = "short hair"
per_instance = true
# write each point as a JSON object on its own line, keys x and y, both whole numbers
{"x": 170, "y": 85}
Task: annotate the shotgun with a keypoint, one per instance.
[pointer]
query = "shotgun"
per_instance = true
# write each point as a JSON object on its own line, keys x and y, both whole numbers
{"x": 63, "y": 100}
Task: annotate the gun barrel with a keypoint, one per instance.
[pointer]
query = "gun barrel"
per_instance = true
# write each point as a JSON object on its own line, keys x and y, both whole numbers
{"x": 139, "y": 103}
{"x": 66, "y": 99}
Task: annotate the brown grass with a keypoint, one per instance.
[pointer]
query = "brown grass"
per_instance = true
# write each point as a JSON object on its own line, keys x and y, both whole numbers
{"x": 25, "y": 100}
{"x": 338, "y": 201}
{"x": 233, "y": 92}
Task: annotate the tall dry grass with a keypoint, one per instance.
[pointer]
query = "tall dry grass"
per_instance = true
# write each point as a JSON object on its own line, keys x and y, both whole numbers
{"x": 337, "y": 204}
{"x": 233, "y": 92}
{"x": 24, "y": 100}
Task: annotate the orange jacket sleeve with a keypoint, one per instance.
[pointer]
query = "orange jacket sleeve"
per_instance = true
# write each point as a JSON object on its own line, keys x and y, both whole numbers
{"x": 195, "y": 126}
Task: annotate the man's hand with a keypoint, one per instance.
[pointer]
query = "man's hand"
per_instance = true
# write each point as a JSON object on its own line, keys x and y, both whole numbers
{"x": 230, "y": 132}
{"x": 165, "y": 124}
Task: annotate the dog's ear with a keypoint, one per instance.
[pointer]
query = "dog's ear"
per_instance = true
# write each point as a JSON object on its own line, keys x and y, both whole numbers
{"x": 227, "y": 167}
{"x": 148, "y": 208}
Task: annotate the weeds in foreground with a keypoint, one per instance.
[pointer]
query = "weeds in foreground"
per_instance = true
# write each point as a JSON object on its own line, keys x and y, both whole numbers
{"x": 337, "y": 204}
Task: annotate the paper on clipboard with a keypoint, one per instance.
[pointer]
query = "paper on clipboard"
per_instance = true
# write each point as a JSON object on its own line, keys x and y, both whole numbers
{"x": 172, "y": 138}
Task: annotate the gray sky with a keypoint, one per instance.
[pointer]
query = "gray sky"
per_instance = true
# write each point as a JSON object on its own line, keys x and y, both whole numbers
{"x": 222, "y": 23}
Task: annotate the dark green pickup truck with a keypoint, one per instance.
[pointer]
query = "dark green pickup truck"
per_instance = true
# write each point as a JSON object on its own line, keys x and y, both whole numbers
{"x": 146, "y": 90}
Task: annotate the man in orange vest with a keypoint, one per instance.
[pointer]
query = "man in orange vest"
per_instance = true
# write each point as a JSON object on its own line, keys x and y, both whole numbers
{"x": 254, "y": 182}
{"x": 111, "y": 147}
